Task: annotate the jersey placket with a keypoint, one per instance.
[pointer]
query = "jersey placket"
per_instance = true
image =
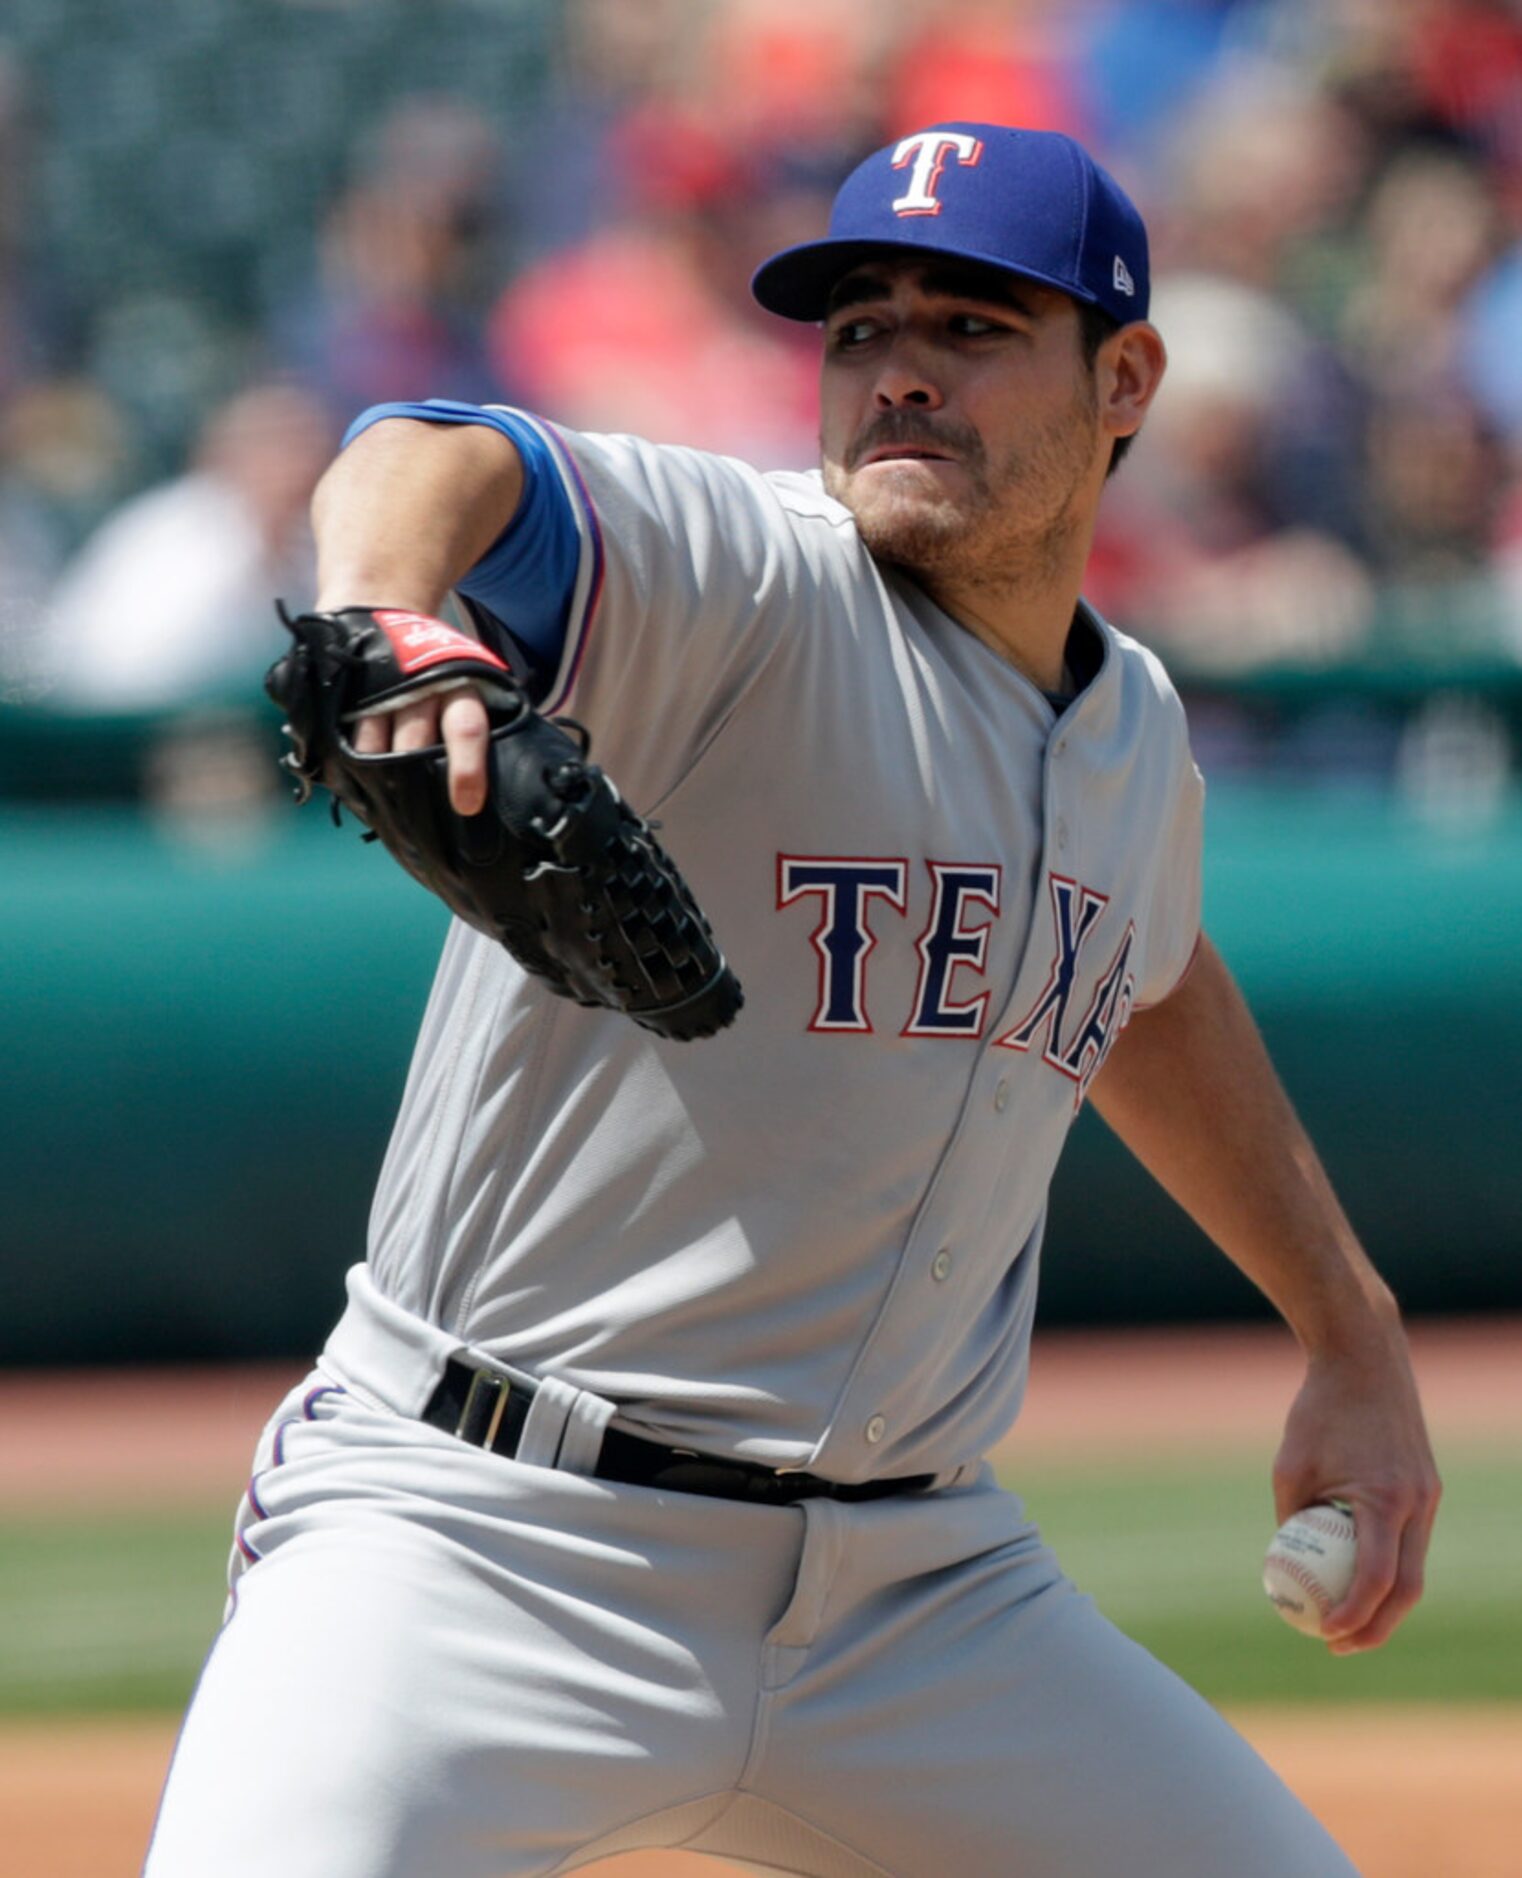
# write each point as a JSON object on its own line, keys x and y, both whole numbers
{"x": 876, "y": 1412}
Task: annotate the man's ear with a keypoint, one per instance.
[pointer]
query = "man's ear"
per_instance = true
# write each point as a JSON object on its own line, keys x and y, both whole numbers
{"x": 1128, "y": 370}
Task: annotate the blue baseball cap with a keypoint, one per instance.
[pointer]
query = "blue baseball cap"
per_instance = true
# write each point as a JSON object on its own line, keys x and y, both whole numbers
{"x": 1031, "y": 202}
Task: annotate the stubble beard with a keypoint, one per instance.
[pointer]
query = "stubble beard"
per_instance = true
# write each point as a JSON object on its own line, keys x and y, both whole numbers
{"x": 1014, "y": 524}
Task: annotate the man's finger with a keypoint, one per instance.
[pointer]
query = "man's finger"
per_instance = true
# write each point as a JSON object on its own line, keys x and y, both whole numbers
{"x": 466, "y": 732}
{"x": 1374, "y": 1575}
{"x": 1404, "y": 1593}
{"x": 417, "y": 725}
{"x": 372, "y": 735}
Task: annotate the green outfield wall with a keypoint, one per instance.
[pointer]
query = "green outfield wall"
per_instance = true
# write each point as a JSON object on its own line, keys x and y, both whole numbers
{"x": 205, "y": 1034}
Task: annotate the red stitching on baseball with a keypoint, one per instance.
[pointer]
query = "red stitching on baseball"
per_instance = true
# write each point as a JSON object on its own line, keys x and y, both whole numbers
{"x": 1292, "y": 1568}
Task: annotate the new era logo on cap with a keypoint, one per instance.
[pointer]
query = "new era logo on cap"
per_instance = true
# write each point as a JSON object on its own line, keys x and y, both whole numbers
{"x": 1030, "y": 201}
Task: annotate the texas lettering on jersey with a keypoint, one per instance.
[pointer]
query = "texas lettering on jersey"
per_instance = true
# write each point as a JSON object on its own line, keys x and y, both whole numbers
{"x": 965, "y": 902}
{"x": 1077, "y": 1052}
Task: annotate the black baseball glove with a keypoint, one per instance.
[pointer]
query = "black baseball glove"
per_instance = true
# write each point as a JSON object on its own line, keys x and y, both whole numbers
{"x": 556, "y": 865}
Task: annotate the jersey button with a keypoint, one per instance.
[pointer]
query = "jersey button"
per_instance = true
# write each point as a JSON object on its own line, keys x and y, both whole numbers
{"x": 876, "y": 1429}
{"x": 1062, "y": 832}
{"x": 1001, "y": 1095}
{"x": 940, "y": 1266}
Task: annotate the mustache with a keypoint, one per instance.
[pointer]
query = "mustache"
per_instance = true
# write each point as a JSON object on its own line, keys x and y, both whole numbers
{"x": 901, "y": 428}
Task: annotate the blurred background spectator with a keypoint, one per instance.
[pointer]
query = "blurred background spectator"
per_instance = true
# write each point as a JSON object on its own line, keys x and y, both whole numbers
{"x": 561, "y": 204}
{"x": 169, "y": 602}
{"x": 404, "y": 265}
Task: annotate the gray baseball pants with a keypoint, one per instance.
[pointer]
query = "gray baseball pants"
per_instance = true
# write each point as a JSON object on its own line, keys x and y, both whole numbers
{"x": 438, "y": 1663}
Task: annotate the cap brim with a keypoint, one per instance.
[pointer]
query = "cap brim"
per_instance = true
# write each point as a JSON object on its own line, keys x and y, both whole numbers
{"x": 797, "y": 283}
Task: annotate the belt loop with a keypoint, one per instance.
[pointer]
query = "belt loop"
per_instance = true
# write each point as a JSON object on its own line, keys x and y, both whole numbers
{"x": 564, "y": 1427}
{"x": 581, "y": 1444}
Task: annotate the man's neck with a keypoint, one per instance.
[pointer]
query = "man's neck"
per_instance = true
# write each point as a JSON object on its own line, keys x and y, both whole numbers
{"x": 1024, "y": 615}
{"x": 1025, "y": 609}
{"x": 1033, "y": 646}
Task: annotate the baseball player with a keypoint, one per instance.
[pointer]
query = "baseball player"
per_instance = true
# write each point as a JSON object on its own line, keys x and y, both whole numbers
{"x": 638, "y": 1497}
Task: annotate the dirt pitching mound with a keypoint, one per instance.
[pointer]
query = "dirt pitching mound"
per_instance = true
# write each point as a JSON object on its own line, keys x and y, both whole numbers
{"x": 1409, "y": 1792}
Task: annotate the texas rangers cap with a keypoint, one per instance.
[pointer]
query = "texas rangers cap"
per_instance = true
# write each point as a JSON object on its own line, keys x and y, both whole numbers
{"x": 1032, "y": 202}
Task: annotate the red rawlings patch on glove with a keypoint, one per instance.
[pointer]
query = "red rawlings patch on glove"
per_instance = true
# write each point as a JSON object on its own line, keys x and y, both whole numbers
{"x": 418, "y": 642}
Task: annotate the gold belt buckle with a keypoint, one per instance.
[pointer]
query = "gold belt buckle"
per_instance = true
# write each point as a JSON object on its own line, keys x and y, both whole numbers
{"x": 483, "y": 1379}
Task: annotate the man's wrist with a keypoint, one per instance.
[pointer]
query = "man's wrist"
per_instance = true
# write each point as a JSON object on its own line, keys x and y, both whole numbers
{"x": 335, "y": 596}
{"x": 1356, "y": 1322}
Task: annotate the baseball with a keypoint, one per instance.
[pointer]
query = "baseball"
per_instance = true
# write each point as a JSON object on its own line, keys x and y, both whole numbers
{"x": 1310, "y": 1565}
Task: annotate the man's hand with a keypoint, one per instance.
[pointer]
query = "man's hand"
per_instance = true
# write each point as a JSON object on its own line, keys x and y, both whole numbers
{"x": 499, "y": 811}
{"x": 457, "y": 719}
{"x": 1355, "y": 1433}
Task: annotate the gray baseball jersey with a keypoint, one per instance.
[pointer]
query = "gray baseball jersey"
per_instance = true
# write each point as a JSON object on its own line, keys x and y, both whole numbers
{"x": 812, "y": 1241}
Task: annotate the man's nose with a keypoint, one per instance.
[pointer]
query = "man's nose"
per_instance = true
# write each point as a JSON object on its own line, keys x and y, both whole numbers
{"x": 904, "y": 381}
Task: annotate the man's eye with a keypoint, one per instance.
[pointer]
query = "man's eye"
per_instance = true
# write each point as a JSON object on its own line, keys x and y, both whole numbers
{"x": 853, "y": 333}
{"x": 973, "y": 325}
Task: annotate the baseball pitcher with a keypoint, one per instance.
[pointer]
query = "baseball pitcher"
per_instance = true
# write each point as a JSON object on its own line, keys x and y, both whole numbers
{"x": 638, "y": 1497}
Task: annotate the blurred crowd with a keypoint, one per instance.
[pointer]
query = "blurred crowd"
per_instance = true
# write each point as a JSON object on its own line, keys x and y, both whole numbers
{"x": 1334, "y": 191}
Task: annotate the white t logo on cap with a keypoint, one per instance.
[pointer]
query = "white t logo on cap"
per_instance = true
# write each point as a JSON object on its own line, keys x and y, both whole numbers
{"x": 928, "y": 151}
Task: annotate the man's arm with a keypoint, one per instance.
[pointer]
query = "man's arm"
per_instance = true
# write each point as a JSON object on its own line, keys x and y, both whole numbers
{"x": 1190, "y": 1090}
{"x": 399, "y": 517}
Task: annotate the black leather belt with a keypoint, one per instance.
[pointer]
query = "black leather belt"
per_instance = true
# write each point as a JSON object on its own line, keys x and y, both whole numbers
{"x": 488, "y": 1411}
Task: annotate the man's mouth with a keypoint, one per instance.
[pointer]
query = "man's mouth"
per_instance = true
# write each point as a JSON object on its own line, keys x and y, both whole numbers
{"x": 905, "y": 453}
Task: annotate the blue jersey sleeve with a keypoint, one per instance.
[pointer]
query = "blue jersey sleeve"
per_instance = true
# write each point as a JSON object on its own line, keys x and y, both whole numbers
{"x": 522, "y": 585}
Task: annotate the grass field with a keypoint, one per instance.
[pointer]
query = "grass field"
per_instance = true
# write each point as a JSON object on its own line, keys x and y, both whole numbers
{"x": 1172, "y": 1555}
{"x": 113, "y": 1614}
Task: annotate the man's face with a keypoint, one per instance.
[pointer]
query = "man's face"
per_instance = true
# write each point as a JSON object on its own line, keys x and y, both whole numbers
{"x": 958, "y": 417}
